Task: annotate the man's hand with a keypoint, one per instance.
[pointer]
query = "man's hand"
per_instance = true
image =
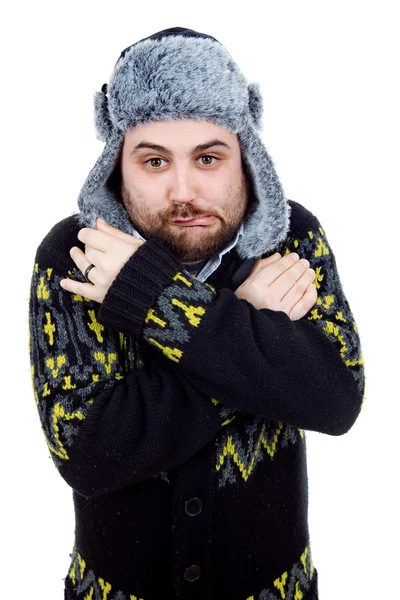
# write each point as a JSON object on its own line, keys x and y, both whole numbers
{"x": 108, "y": 249}
{"x": 281, "y": 283}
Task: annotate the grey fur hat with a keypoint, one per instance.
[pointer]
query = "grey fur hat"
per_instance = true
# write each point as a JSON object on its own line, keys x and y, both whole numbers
{"x": 179, "y": 73}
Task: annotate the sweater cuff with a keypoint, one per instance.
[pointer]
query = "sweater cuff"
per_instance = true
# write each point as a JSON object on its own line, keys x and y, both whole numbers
{"x": 137, "y": 286}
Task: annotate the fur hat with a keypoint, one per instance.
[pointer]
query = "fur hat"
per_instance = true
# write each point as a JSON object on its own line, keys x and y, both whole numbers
{"x": 173, "y": 74}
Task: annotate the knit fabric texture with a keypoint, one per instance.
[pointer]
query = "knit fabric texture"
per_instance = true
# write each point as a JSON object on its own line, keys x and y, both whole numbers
{"x": 177, "y": 413}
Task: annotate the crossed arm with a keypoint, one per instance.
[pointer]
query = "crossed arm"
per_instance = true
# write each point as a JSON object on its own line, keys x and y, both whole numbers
{"x": 111, "y": 419}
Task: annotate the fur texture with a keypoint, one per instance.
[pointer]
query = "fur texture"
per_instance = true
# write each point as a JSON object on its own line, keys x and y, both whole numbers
{"x": 180, "y": 77}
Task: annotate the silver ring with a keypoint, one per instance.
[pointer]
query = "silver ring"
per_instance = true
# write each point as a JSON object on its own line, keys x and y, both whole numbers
{"x": 86, "y": 273}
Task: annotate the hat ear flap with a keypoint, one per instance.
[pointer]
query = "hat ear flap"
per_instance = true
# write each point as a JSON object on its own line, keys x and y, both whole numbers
{"x": 255, "y": 103}
{"x": 102, "y": 120}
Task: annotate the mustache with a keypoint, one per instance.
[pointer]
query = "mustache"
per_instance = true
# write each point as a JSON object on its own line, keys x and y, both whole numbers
{"x": 187, "y": 212}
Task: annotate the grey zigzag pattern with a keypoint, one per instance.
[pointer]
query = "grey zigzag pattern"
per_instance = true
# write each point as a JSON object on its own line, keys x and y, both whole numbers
{"x": 90, "y": 581}
{"x": 297, "y": 580}
{"x": 249, "y": 451}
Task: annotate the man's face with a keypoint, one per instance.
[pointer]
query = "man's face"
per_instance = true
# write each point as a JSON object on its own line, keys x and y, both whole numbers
{"x": 175, "y": 181}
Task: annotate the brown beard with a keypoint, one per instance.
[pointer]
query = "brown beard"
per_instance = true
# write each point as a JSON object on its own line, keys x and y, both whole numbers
{"x": 180, "y": 240}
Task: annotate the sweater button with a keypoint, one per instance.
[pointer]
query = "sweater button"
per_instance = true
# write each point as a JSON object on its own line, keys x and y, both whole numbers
{"x": 192, "y": 573}
{"x": 193, "y": 507}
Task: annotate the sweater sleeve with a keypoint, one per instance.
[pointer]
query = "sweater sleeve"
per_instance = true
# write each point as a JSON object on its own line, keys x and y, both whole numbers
{"x": 307, "y": 373}
{"x": 109, "y": 418}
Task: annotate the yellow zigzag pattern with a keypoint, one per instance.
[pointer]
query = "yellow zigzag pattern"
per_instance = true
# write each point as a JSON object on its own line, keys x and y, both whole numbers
{"x": 271, "y": 447}
{"x": 77, "y": 571}
{"x": 78, "y": 566}
{"x": 58, "y": 413}
{"x": 282, "y": 582}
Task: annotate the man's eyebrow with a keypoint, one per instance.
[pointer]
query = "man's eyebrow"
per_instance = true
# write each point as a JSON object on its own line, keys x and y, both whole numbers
{"x": 198, "y": 148}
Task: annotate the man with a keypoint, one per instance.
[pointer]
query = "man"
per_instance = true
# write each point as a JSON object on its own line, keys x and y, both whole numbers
{"x": 175, "y": 373}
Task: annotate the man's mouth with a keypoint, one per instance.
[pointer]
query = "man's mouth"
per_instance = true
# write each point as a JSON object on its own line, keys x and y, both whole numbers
{"x": 196, "y": 221}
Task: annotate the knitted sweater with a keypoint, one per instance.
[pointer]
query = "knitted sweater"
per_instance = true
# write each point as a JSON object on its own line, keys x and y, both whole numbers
{"x": 177, "y": 413}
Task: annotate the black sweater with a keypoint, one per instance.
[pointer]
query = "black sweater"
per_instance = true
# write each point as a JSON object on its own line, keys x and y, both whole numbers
{"x": 176, "y": 412}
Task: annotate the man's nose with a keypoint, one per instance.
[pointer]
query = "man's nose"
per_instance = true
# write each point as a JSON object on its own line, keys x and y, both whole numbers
{"x": 182, "y": 187}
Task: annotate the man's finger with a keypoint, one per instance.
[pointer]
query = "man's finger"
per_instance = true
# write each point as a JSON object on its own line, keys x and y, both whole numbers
{"x": 77, "y": 287}
{"x": 263, "y": 262}
{"x": 79, "y": 258}
{"x": 101, "y": 225}
{"x": 99, "y": 240}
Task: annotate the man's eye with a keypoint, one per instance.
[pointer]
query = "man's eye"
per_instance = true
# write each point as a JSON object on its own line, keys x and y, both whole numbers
{"x": 152, "y": 160}
{"x": 208, "y": 156}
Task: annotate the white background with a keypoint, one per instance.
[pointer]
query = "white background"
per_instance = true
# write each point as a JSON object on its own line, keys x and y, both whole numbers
{"x": 328, "y": 73}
